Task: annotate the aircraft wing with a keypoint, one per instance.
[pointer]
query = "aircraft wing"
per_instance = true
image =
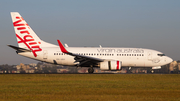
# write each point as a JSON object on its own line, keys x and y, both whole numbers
{"x": 83, "y": 60}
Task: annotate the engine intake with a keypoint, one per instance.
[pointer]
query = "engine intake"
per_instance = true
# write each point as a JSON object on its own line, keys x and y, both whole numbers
{"x": 110, "y": 65}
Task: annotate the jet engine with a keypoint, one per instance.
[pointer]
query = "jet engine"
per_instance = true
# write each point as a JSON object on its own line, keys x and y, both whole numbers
{"x": 110, "y": 65}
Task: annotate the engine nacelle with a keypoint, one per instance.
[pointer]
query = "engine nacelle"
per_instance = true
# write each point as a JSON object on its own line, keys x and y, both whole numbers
{"x": 110, "y": 65}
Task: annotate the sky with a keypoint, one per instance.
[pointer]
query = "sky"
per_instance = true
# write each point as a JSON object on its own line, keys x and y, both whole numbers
{"x": 152, "y": 24}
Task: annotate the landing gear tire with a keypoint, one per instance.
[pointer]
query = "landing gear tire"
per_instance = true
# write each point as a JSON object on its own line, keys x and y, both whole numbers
{"x": 90, "y": 70}
{"x": 152, "y": 71}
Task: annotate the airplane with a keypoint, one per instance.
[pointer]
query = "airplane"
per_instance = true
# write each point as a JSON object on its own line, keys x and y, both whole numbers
{"x": 105, "y": 58}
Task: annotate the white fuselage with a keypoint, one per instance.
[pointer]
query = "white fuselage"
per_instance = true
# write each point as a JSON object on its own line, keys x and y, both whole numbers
{"x": 131, "y": 57}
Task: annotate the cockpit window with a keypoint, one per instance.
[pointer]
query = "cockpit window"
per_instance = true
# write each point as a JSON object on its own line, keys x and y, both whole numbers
{"x": 161, "y": 54}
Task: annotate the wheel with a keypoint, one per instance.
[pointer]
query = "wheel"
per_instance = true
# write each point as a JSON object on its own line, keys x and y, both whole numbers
{"x": 152, "y": 71}
{"x": 90, "y": 70}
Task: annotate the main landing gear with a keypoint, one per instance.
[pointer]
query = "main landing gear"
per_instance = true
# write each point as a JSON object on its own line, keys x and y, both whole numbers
{"x": 90, "y": 70}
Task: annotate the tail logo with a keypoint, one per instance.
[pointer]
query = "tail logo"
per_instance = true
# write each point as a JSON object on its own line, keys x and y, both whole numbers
{"x": 26, "y": 38}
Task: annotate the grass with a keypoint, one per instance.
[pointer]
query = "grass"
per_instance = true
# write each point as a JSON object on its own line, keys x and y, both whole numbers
{"x": 90, "y": 87}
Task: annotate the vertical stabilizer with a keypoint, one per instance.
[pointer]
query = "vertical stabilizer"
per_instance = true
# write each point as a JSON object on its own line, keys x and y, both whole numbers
{"x": 26, "y": 37}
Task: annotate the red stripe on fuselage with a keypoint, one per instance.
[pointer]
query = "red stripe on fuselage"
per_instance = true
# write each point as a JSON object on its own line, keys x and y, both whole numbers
{"x": 117, "y": 65}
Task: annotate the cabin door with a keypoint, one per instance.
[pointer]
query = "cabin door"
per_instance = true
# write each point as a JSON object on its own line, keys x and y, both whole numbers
{"x": 45, "y": 55}
{"x": 149, "y": 55}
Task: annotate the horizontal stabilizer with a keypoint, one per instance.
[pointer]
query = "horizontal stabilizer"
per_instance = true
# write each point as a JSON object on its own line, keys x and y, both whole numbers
{"x": 19, "y": 49}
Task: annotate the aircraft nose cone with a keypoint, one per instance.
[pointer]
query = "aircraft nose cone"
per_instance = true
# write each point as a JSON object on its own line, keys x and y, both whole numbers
{"x": 169, "y": 60}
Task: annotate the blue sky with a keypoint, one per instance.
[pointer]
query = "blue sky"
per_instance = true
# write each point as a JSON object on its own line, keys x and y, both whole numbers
{"x": 153, "y": 24}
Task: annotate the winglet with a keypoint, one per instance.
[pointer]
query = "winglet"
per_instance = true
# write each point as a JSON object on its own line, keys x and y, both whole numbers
{"x": 62, "y": 47}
